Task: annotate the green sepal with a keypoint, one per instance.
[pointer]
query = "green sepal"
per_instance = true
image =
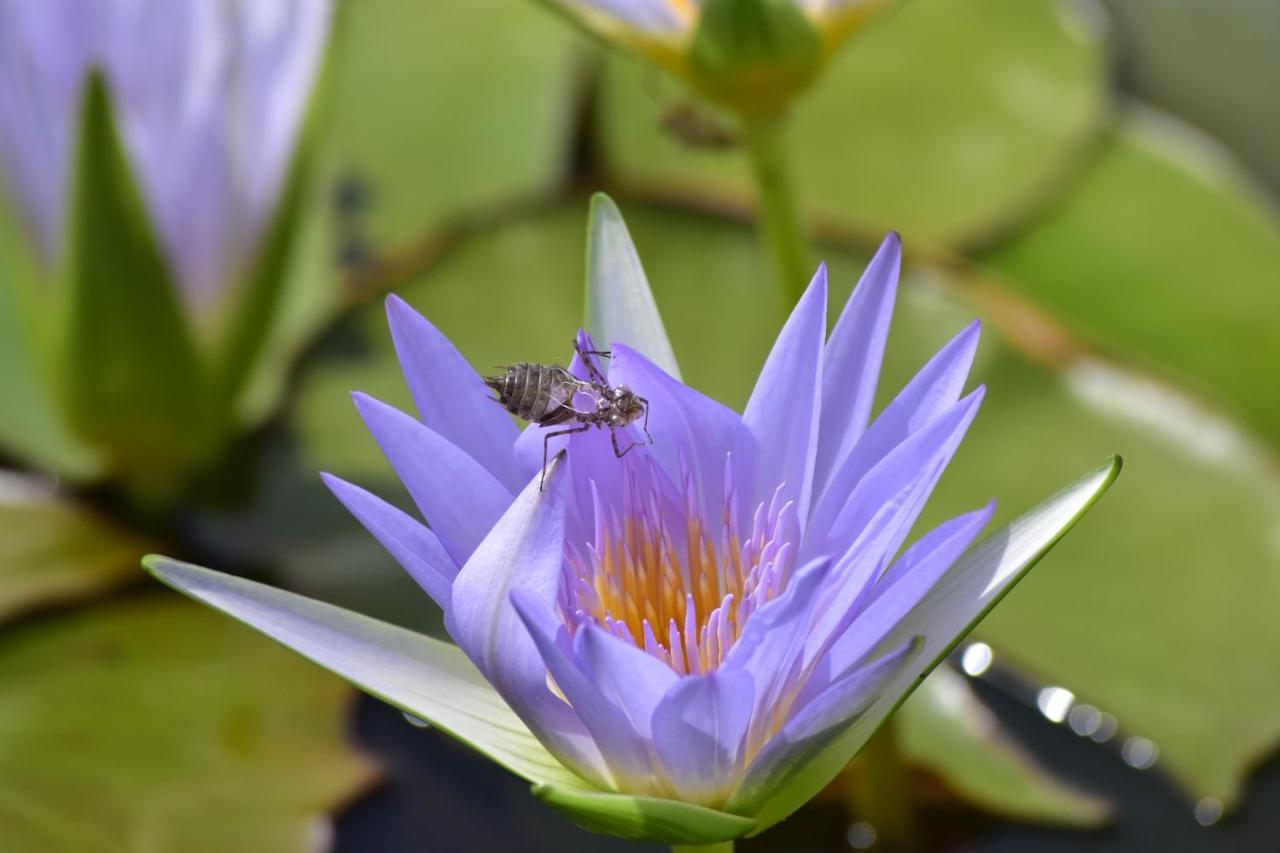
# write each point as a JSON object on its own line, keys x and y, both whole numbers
{"x": 754, "y": 56}
{"x": 130, "y": 374}
{"x": 644, "y": 818}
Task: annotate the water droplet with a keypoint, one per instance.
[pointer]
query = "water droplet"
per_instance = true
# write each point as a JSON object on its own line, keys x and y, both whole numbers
{"x": 1106, "y": 728}
{"x": 1055, "y": 702}
{"x": 976, "y": 659}
{"x": 1139, "y": 753}
{"x": 416, "y": 722}
{"x": 1085, "y": 720}
{"x": 1208, "y": 811}
{"x": 861, "y": 836}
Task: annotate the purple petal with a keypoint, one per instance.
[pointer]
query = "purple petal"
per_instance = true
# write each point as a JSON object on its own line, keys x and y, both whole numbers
{"x": 930, "y": 393}
{"x": 414, "y": 546}
{"x": 815, "y": 727}
{"x": 782, "y": 414}
{"x": 925, "y": 453}
{"x": 657, "y": 17}
{"x": 623, "y": 749}
{"x": 633, "y": 680}
{"x": 682, "y": 420}
{"x": 523, "y": 552}
{"x": 457, "y": 496}
{"x": 851, "y": 361}
{"x": 450, "y": 396}
{"x": 775, "y": 635}
{"x": 902, "y": 588}
{"x": 698, "y": 731}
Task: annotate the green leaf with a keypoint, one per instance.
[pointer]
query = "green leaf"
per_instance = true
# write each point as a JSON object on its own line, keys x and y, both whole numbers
{"x": 620, "y": 306}
{"x": 440, "y": 110}
{"x": 52, "y": 550}
{"x": 944, "y": 727}
{"x": 644, "y": 818}
{"x": 945, "y": 150}
{"x": 132, "y": 377}
{"x": 1165, "y": 252}
{"x": 154, "y": 724}
{"x": 421, "y": 676}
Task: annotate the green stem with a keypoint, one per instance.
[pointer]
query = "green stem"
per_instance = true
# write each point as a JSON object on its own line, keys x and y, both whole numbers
{"x": 722, "y": 847}
{"x": 880, "y": 794}
{"x": 781, "y": 225}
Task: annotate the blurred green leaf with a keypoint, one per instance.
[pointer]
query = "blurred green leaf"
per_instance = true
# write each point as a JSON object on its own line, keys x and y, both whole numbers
{"x": 1208, "y": 61}
{"x": 944, "y": 727}
{"x": 215, "y": 739}
{"x": 132, "y": 376}
{"x": 440, "y": 109}
{"x": 945, "y": 150}
{"x": 1164, "y": 252}
{"x": 52, "y": 550}
{"x": 721, "y": 314}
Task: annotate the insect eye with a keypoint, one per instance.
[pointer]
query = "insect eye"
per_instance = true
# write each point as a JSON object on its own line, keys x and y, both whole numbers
{"x": 621, "y": 391}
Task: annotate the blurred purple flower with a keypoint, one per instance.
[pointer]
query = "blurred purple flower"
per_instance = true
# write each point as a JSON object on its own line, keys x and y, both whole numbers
{"x": 698, "y": 619}
{"x": 209, "y": 97}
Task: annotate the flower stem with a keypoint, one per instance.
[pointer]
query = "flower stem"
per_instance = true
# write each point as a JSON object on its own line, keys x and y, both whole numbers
{"x": 781, "y": 226}
{"x": 880, "y": 794}
{"x": 722, "y": 847}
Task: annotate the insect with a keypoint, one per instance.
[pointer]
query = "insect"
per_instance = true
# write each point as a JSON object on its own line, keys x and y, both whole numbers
{"x": 546, "y": 394}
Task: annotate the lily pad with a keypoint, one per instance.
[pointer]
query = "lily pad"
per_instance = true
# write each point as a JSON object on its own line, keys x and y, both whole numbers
{"x": 721, "y": 315}
{"x": 52, "y": 550}
{"x": 440, "y": 110}
{"x": 1165, "y": 253}
{"x": 216, "y": 738}
{"x": 946, "y": 150}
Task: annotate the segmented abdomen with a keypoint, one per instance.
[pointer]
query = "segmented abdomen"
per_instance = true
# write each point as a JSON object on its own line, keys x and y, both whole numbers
{"x": 536, "y": 392}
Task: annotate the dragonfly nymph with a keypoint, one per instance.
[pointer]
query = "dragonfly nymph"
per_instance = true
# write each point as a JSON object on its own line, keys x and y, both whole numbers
{"x": 549, "y": 395}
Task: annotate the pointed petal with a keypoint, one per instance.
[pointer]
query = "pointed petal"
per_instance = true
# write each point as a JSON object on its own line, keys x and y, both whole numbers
{"x": 620, "y": 306}
{"x": 623, "y": 750}
{"x": 698, "y": 730}
{"x": 923, "y": 455}
{"x": 931, "y": 392}
{"x": 457, "y": 496}
{"x": 903, "y": 587}
{"x": 450, "y": 396}
{"x": 964, "y": 595}
{"x": 632, "y": 679}
{"x": 775, "y": 635}
{"x": 682, "y": 420}
{"x": 851, "y": 361}
{"x": 782, "y": 414}
{"x": 651, "y": 17}
{"x": 816, "y": 726}
{"x": 644, "y": 818}
{"x": 414, "y": 546}
{"x": 523, "y": 551}
{"x": 419, "y": 675}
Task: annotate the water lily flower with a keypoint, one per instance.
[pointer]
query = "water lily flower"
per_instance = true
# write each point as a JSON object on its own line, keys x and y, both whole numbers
{"x": 751, "y": 55}
{"x": 208, "y": 97}
{"x": 686, "y": 643}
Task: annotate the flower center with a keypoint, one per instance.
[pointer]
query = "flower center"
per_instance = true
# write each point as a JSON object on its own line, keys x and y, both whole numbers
{"x": 660, "y": 575}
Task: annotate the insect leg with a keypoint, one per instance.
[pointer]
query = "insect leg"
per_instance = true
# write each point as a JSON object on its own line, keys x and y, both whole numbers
{"x": 645, "y": 426}
{"x": 592, "y": 367}
{"x": 617, "y": 451}
{"x": 546, "y": 440}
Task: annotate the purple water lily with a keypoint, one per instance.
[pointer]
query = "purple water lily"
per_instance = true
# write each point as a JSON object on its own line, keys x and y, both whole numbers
{"x": 209, "y": 98}
{"x": 686, "y": 643}
{"x": 687, "y": 617}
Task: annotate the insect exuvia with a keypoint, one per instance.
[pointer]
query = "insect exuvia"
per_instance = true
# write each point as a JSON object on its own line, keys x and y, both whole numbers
{"x": 549, "y": 395}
